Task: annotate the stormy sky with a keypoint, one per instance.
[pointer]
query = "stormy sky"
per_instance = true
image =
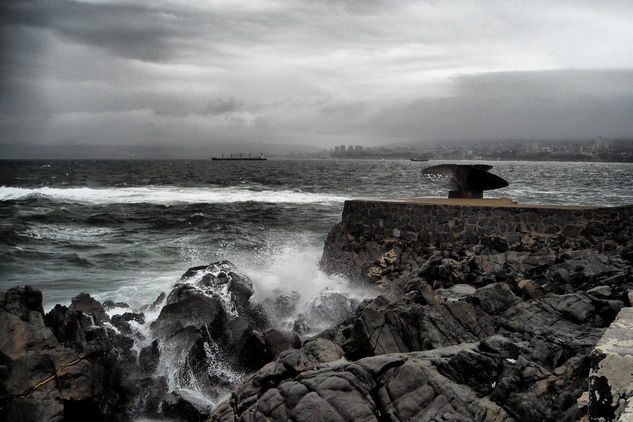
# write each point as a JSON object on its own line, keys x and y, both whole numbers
{"x": 313, "y": 72}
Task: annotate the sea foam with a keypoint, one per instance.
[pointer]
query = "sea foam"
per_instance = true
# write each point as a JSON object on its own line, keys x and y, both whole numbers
{"x": 166, "y": 195}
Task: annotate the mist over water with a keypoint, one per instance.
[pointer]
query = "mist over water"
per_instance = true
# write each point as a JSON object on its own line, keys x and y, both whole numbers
{"x": 127, "y": 230}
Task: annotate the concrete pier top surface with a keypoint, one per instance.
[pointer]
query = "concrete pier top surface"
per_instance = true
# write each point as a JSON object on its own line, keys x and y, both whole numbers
{"x": 479, "y": 202}
{"x": 619, "y": 336}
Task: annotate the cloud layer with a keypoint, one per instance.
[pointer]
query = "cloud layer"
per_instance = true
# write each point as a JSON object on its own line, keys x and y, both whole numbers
{"x": 313, "y": 72}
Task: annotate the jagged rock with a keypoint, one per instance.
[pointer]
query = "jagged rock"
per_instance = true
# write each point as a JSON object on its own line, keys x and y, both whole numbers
{"x": 224, "y": 273}
{"x": 83, "y": 302}
{"x": 494, "y": 298}
{"x": 248, "y": 346}
{"x": 586, "y": 271}
{"x": 397, "y": 387}
{"x": 301, "y": 324}
{"x": 277, "y": 341}
{"x": 24, "y": 302}
{"x": 490, "y": 264}
{"x": 529, "y": 288}
{"x": 137, "y": 317}
{"x": 68, "y": 326}
{"x": 443, "y": 272}
{"x": 121, "y": 324}
{"x": 321, "y": 350}
{"x": 184, "y": 406}
{"x": 423, "y": 293}
{"x": 182, "y": 291}
{"x": 149, "y": 357}
{"x": 86, "y": 383}
{"x": 110, "y": 304}
{"x": 194, "y": 310}
{"x": 258, "y": 317}
{"x": 381, "y": 326}
{"x": 240, "y": 288}
{"x": 157, "y": 302}
{"x": 456, "y": 293}
{"x": 193, "y": 271}
{"x": 561, "y": 318}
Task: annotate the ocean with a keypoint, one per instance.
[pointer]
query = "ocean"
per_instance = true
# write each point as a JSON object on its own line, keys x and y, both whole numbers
{"x": 127, "y": 230}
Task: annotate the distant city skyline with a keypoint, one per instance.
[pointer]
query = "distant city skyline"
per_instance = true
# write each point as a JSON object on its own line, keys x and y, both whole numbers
{"x": 312, "y": 74}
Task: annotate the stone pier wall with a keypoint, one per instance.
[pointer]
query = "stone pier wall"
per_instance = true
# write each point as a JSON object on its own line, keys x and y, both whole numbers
{"x": 369, "y": 228}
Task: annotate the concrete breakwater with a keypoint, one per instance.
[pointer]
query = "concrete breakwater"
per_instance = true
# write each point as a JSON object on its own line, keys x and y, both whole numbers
{"x": 370, "y": 228}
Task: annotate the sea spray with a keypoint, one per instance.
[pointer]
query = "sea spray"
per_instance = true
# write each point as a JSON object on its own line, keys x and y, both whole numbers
{"x": 193, "y": 362}
{"x": 297, "y": 294}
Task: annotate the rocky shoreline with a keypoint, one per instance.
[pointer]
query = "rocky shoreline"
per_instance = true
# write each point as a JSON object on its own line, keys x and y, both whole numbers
{"x": 488, "y": 326}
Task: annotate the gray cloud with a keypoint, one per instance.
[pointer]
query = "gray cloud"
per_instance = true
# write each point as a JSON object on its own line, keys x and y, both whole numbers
{"x": 128, "y": 30}
{"x": 223, "y": 106}
{"x": 310, "y": 72}
{"x": 515, "y": 105}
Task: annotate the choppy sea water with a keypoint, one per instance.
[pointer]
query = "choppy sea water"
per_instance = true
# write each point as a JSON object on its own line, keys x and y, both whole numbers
{"x": 126, "y": 230}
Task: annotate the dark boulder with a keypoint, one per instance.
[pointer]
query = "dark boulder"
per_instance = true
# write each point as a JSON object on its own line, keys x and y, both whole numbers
{"x": 83, "y": 302}
{"x": 456, "y": 293}
{"x": 224, "y": 274}
{"x": 246, "y": 347}
{"x": 68, "y": 326}
{"x": 24, "y": 302}
{"x": 586, "y": 271}
{"x": 386, "y": 387}
{"x": 149, "y": 358}
{"x": 277, "y": 341}
{"x": 183, "y": 406}
{"x": 494, "y": 298}
{"x": 383, "y": 326}
{"x": 195, "y": 310}
{"x": 258, "y": 317}
{"x": 110, "y": 304}
{"x": 43, "y": 380}
{"x": 137, "y": 317}
{"x": 121, "y": 324}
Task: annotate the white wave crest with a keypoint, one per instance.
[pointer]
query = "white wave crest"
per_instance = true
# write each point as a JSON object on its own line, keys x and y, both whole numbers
{"x": 67, "y": 233}
{"x": 166, "y": 195}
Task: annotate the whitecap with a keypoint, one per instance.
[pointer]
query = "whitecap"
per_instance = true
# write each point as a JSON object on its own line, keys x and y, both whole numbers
{"x": 166, "y": 195}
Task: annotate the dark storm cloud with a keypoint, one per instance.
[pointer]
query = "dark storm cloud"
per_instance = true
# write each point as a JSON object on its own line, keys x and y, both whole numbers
{"x": 130, "y": 31}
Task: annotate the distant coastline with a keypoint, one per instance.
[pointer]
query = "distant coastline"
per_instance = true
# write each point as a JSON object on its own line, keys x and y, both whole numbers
{"x": 586, "y": 150}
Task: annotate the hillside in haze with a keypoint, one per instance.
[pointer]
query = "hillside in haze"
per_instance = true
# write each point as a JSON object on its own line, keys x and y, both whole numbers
{"x": 35, "y": 151}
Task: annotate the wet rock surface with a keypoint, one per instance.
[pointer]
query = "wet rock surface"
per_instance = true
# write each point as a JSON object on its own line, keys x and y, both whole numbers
{"x": 498, "y": 325}
{"x": 488, "y": 356}
{"x": 53, "y": 372}
{"x": 113, "y": 363}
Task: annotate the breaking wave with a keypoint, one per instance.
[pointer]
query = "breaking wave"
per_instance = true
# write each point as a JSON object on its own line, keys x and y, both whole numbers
{"x": 167, "y": 195}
